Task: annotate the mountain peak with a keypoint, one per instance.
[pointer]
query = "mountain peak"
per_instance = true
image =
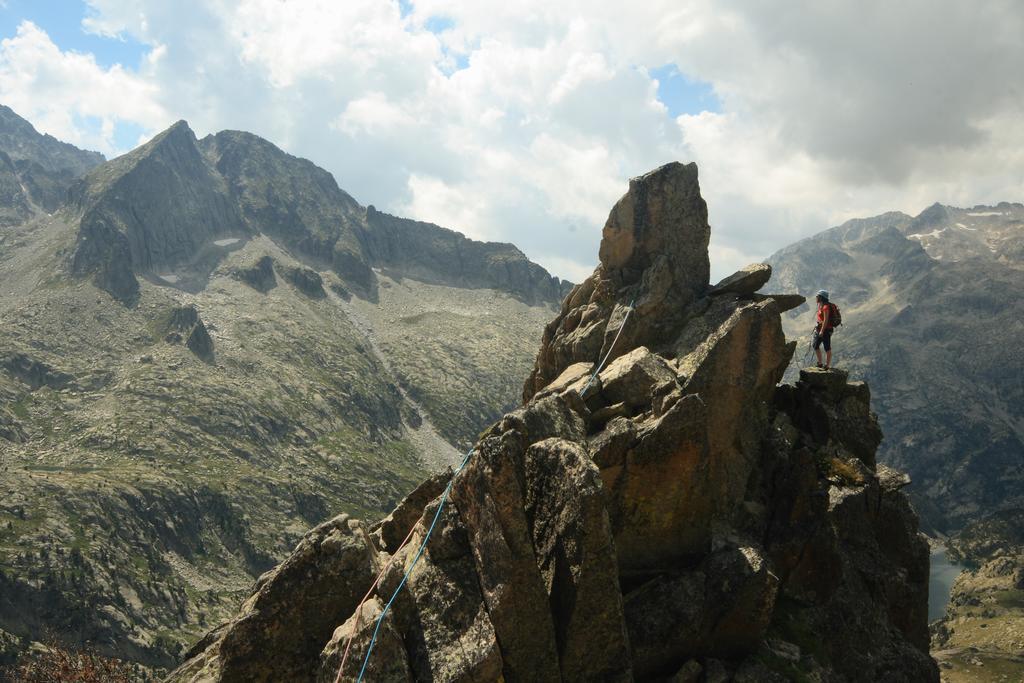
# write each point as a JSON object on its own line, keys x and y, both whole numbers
{"x": 136, "y": 201}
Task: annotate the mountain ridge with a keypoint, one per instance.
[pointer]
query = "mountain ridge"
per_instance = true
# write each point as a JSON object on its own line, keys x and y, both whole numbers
{"x": 236, "y": 390}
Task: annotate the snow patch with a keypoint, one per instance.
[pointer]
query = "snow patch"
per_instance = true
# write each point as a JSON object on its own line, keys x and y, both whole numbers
{"x": 170, "y": 279}
{"x": 923, "y": 235}
{"x": 964, "y": 227}
{"x": 988, "y": 213}
{"x": 227, "y": 242}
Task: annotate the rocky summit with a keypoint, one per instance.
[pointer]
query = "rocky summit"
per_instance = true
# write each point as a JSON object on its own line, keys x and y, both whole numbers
{"x": 674, "y": 514}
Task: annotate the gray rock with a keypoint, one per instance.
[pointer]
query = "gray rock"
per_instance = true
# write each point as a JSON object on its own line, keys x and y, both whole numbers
{"x": 396, "y": 526}
{"x": 305, "y": 280}
{"x": 745, "y": 282}
{"x": 388, "y": 661}
{"x": 260, "y": 275}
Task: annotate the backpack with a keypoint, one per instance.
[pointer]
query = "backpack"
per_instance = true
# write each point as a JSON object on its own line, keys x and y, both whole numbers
{"x": 834, "y": 316}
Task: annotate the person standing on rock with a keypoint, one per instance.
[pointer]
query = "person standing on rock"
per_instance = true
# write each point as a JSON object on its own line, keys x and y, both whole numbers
{"x": 823, "y": 329}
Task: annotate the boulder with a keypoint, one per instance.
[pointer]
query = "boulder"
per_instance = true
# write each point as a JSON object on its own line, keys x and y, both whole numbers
{"x": 388, "y": 661}
{"x": 740, "y": 592}
{"x": 441, "y": 614}
{"x": 784, "y": 302}
{"x": 746, "y": 281}
{"x": 631, "y": 378}
{"x": 664, "y": 618}
{"x": 183, "y": 324}
{"x": 489, "y": 496}
{"x": 653, "y": 256}
{"x": 305, "y": 280}
{"x": 260, "y": 275}
{"x": 395, "y": 527}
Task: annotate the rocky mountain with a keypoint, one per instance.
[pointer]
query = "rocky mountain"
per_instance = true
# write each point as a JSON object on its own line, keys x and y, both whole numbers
{"x": 981, "y": 637}
{"x": 930, "y": 308}
{"x": 206, "y": 348}
{"x": 35, "y": 170}
{"x": 674, "y": 514}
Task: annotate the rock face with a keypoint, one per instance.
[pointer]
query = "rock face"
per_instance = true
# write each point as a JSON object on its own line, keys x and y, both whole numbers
{"x": 167, "y": 208}
{"x": 35, "y": 170}
{"x": 154, "y": 209}
{"x": 680, "y": 513}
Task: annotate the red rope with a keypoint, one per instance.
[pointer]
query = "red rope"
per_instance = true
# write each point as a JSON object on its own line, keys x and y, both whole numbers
{"x": 359, "y": 609}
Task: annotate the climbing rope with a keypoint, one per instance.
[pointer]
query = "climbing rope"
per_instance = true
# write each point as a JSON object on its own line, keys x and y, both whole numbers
{"x": 359, "y": 609}
{"x": 430, "y": 530}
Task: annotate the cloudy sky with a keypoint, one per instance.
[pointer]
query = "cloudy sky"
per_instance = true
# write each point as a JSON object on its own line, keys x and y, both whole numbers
{"x": 521, "y": 120}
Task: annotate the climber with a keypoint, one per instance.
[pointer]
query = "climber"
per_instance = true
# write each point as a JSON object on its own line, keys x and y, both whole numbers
{"x": 824, "y": 325}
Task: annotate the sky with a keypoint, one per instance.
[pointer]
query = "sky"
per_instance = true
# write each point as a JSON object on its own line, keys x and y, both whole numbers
{"x": 523, "y": 121}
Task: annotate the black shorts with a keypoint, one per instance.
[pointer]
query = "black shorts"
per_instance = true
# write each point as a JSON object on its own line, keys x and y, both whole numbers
{"x": 823, "y": 339}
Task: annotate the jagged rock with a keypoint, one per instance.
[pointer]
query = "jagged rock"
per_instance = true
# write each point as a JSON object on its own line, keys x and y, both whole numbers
{"x": 183, "y": 324}
{"x": 663, "y": 618}
{"x": 259, "y": 276}
{"x": 632, "y": 377}
{"x": 588, "y": 541}
{"x": 285, "y": 624}
{"x": 740, "y": 592}
{"x": 575, "y": 376}
{"x": 154, "y": 208}
{"x": 104, "y": 252}
{"x": 837, "y": 413}
{"x": 572, "y": 541}
{"x": 784, "y": 302}
{"x": 394, "y": 528}
{"x": 654, "y": 254}
{"x": 33, "y": 372}
{"x": 745, "y": 282}
{"x": 305, "y": 280}
{"x": 490, "y": 498}
{"x": 389, "y": 664}
{"x": 441, "y": 615}
{"x": 604, "y": 415}
{"x": 891, "y": 480}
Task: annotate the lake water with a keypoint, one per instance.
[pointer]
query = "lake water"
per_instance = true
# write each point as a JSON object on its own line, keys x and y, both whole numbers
{"x": 943, "y": 574}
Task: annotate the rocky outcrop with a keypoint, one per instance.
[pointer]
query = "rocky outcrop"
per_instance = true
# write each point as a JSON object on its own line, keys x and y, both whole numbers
{"x": 260, "y": 275}
{"x": 182, "y": 324}
{"x": 745, "y": 282}
{"x": 677, "y": 515}
{"x": 305, "y": 280}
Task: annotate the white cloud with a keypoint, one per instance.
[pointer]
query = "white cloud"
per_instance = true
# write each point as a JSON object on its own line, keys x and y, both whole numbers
{"x": 522, "y": 121}
{"x": 70, "y": 96}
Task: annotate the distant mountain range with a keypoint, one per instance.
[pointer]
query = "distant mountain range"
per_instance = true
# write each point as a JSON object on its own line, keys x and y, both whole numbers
{"x": 932, "y": 312}
{"x": 205, "y": 347}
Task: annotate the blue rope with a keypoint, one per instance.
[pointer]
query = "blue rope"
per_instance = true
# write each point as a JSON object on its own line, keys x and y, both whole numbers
{"x": 444, "y": 498}
{"x": 384, "y": 612}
